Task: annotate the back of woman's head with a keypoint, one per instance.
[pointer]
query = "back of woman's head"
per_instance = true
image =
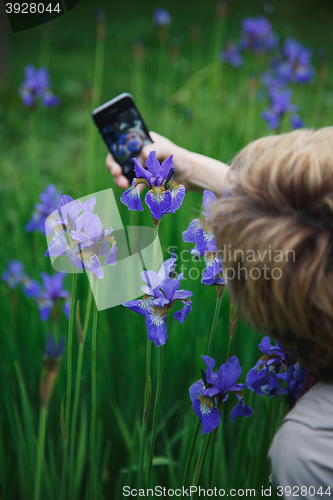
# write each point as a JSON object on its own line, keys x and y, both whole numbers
{"x": 275, "y": 234}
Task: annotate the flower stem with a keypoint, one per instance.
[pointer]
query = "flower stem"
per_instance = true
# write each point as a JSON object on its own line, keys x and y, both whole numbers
{"x": 69, "y": 385}
{"x": 148, "y": 377}
{"x": 77, "y": 389}
{"x": 157, "y": 400}
{"x": 214, "y": 324}
{"x": 190, "y": 454}
{"x": 145, "y": 413}
{"x": 40, "y": 450}
{"x": 93, "y": 493}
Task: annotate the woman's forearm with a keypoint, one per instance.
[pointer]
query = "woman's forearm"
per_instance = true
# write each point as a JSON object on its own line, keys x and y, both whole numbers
{"x": 205, "y": 172}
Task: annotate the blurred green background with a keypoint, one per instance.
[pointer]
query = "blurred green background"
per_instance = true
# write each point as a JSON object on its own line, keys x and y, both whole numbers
{"x": 213, "y": 110}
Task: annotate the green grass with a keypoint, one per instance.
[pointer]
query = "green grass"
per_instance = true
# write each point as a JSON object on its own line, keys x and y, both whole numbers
{"x": 216, "y": 116}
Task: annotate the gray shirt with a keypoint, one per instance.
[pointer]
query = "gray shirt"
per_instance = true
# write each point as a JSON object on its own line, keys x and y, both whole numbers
{"x": 302, "y": 450}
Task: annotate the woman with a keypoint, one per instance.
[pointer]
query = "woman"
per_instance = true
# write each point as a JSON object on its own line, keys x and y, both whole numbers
{"x": 280, "y": 204}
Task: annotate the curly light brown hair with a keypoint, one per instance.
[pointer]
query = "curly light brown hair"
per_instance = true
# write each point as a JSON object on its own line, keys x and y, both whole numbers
{"x": 275, "y": 233}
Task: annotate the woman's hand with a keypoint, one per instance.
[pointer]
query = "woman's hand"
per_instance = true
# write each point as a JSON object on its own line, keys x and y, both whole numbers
{"x": 194, "y": 171}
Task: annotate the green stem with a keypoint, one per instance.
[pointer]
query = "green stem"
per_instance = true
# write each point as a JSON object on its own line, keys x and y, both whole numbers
{"x": 40, "y": 451}
{"x": 214, "y": 325}
{"x": 148, "y": 377}
{"x": 93, "y": 492}
{"x": 145, "y": 414}
{"x": 157, "y": 400}
{"x": 77, "y": 389}
{"x": 69, "y": 386}
{"x": 201, "y": 460}
{"x": 211, "y": 466}
{"x": 33, "y": 155}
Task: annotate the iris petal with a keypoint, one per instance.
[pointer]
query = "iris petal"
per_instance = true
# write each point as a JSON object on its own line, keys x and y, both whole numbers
{"x": 182, "y": 315}
{"x": 159, "y": 202}
{"x": 177, "y": 196}
{"x": 208, "y": 414}
{"x": 196, "y": 389}
{"x": 156, "y": 326}
{"x": 191, "y": 231}
{"x": 131, "y": 198}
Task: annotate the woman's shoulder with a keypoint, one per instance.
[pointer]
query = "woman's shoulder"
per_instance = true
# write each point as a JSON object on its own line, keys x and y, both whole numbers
{"x": 302, "y": 450}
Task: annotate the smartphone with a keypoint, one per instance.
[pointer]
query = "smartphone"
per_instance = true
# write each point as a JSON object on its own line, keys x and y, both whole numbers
{"x": 123, "y": 130}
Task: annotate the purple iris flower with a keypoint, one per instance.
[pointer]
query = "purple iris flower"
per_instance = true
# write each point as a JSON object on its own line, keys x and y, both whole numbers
{"x": 213, "y": 389}
{"x": 36, "y": 86}
{"x": 53, "y": 291}
{"x": 69, "y": 212}
{"x": 257, "y": 35}
{"x": 162, "y": 17}
{"x": 160, "y": 293}
{"x": 263, "y": 380}
{"x": 295, "y": 378}
{"x": 88, "y": 240}
{"x": 49, "y": 201}
{"x": 51, "y": 350}
{"x": 231, "y": 54}
{"x": 271, "y": 369}
{"x": 164, "y": 195}
{"x": 89, "y": 244}
{"x": 276, "y": 354}
{"x": 295, "y": 65}
{"x": 200, "y": 233}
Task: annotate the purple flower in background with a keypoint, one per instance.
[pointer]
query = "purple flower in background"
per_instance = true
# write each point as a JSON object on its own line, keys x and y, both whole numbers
{"x": 162, "y": 17}
{"x": 49, "y": 201}
{"x": 200, "y": 231}
{"x": 82, "y": 236}
{"x": 271, "y": 80}
{"x": 213, "y": 389}
{"x": 294, "y": 63}
{"x": 36, "y": 86}
{"x": 213, "y": 272}
{"x": 164, "y": 195}
{"x": 160, "y": 294}
{"x": 51, "y": 350}
{"x": 30, "y": 287}
{"x": 257, "y": 35}
{"x": 50, "y": 367}
{"x": 13, "y": 274}
{"x": 280, "y": 104}
{"x": 296, "y": 122}
{"x": 53, "y": 291}
{"x": 231, "y": 54}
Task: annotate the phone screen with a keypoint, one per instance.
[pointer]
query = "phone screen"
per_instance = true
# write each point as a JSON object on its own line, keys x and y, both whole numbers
{"x": 124, "y": 132}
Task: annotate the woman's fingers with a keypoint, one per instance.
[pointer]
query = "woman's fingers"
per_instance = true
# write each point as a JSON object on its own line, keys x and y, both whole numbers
{"x": 117, "y": 172}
